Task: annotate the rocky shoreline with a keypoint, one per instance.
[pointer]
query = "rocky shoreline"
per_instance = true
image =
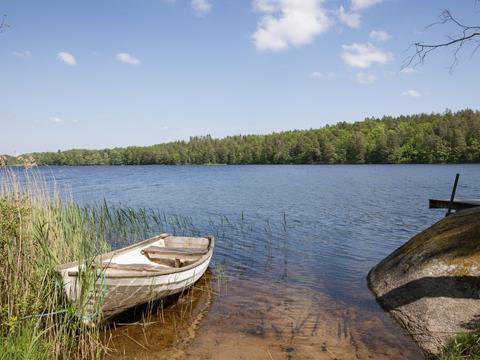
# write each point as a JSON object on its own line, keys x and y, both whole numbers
{"x": 431, "y": 284}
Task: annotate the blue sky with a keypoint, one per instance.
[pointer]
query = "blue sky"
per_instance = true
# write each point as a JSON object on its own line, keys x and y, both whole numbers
{"x": 106, "y": 73}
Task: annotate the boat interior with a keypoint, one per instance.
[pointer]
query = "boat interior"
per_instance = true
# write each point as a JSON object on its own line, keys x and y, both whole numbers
{"x": 162, "y": 254}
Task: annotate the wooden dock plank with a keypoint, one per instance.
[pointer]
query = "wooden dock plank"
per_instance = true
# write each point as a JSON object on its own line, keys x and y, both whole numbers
{"x": 458, "y": 204}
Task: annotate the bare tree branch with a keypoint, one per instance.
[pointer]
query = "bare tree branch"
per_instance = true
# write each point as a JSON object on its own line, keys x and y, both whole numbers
{"x": 3, "y": 23}
{"x": 467, "y": 34}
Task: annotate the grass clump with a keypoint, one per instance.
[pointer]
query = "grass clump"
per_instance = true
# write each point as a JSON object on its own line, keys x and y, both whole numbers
{"x": 465, "y": 346}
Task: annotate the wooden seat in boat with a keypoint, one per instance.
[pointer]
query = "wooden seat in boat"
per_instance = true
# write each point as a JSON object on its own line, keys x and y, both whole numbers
{"x": 175, "y": 251}
{"x": 173, "y": 257}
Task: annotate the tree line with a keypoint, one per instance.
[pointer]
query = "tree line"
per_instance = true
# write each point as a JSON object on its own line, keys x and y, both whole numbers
{"x": 449, "y": 137}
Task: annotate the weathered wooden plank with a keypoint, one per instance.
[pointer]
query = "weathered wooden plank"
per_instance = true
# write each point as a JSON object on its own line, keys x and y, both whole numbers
{"x": 175, "y": 251}
{"x": 458, "y": 204}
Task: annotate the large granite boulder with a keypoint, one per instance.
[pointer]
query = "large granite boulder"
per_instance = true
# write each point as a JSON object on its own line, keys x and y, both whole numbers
{"x": 431, "y": 285}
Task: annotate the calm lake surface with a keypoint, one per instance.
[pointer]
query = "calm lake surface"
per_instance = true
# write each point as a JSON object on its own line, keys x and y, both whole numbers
{"x": 294, "y": 246}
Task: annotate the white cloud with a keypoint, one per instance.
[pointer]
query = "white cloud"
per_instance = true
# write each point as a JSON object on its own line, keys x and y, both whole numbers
{"x": 201, "y": 6}
{"x": 322, "y": 75}
{"x": 364, "y": 55}
{"x": 126, "y": 58}
{"x": 67, "y": 58}
{"x": 411, "y": 93}
{"x": 56, "y": 120}
{"x": 358, "y": 5}
{"x": 265, "y": 5}
{"x": 288, "y": 23}
{"x": 379, "y": 35}
{"x": 408, "y": 71}
{"x": 22, "y": 53}
{"x": 351, "y": 19}
{"x": 366, "y": 78}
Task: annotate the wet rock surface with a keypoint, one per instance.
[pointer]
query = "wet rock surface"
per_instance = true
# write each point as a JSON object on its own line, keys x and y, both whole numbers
{"x": 431, "y": 285}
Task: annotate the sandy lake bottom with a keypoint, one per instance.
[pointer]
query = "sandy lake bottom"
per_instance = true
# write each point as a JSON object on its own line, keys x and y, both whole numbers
{"x": 238, "y": 319}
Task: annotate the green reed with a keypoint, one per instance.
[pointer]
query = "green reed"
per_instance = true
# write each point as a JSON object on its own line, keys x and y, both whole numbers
{"x": 38, "y": 232}
{"x": 40, "y": 228}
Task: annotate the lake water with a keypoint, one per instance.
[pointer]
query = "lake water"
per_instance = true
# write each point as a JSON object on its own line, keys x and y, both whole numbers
{"x": 294, "y": 246}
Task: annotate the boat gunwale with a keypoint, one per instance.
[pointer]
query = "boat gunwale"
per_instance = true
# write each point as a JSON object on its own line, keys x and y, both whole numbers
{"x": 140, "y": 274}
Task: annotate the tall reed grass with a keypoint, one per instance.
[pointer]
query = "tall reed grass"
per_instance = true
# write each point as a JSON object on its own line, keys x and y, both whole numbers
{"x": 41, "y": 228}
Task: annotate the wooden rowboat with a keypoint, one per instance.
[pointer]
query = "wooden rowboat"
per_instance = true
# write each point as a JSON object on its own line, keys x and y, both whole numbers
{"x": 146, "y": 271}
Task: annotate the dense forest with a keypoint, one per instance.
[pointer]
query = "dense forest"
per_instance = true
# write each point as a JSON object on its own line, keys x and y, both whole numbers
{"x": 450, "y": 137}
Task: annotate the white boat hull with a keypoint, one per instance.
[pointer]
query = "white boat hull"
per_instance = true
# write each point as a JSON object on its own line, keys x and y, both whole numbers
{"x": 119, "y": 290}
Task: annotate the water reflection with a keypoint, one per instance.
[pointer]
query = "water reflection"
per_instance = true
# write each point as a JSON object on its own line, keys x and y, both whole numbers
{"x": 164, "y": 329}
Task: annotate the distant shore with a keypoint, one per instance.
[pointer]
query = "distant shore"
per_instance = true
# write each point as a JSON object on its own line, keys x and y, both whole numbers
{"x": 417, "y": 139}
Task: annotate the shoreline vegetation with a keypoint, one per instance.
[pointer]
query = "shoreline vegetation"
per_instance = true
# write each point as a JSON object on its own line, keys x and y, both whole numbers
{"x": 39, "y": 231}
{"x": 450, "y": 137}
{"x": 41, "y": 228}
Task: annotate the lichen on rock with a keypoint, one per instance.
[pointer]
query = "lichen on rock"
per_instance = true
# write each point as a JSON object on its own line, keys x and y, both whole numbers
{"x": 431, "y": 284}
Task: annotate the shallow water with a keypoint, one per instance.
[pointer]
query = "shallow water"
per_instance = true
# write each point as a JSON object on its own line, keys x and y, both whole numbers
{"x": 257, "y": 320}
{"x": 294, "y": 245}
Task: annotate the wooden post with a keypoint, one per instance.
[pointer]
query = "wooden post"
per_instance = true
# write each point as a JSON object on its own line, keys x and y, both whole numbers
{"x": 452, "y": 197}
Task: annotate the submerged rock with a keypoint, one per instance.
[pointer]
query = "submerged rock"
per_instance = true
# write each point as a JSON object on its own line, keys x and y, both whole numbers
{"x": 431, "y": 285}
